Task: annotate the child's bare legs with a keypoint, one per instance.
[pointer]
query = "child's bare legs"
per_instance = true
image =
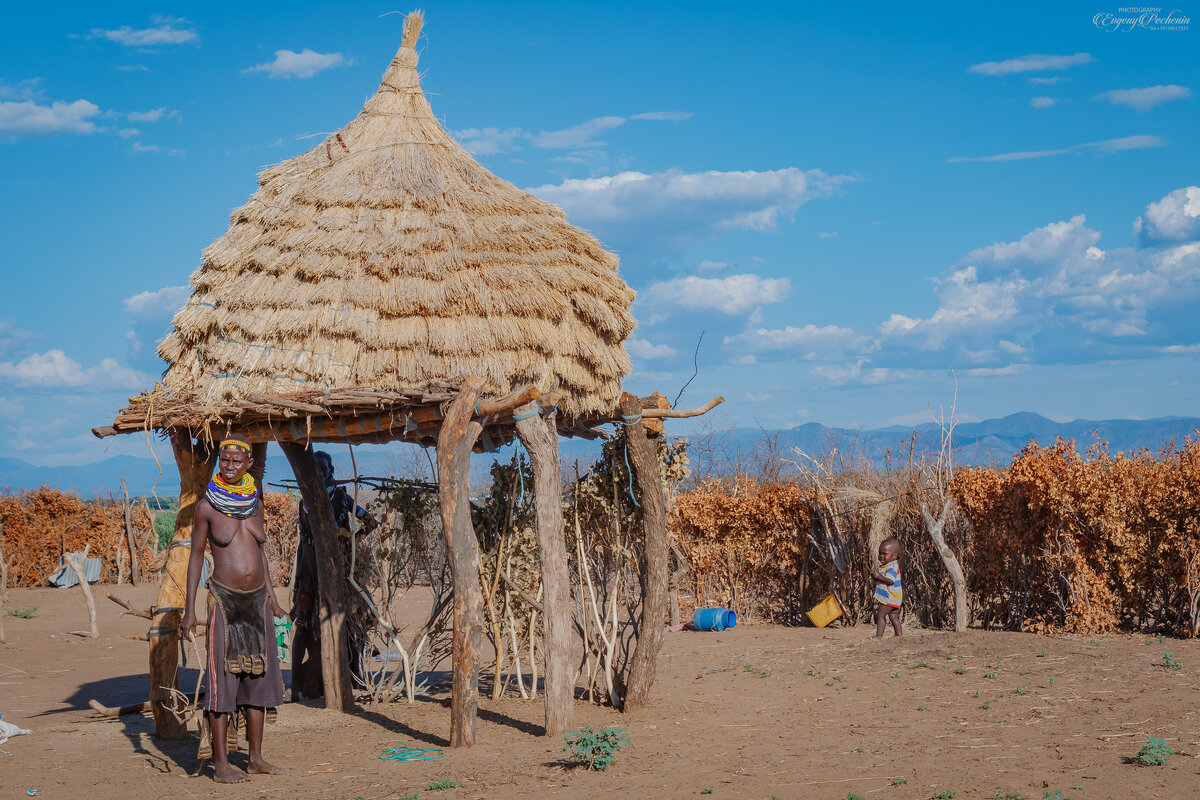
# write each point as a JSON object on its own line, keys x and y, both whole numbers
{"x": 880, "y": 620}
{"x": 882, "y": 615}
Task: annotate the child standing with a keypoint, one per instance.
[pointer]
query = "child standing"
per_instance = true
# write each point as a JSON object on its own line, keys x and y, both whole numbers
{"x": 888, "y": 591}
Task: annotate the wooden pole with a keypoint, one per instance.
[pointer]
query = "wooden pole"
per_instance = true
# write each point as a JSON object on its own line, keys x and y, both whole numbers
{"x": 195, "y": 462}
{"x": 644, "y": 460}
{"x": 5, "y": 563}
{"x": 331, "y": 579}
{"x": 458, "y": 435}
{"x": 76, "y": 563}
{"x": 133, "y": 559}
{"x": 540, "y": 437}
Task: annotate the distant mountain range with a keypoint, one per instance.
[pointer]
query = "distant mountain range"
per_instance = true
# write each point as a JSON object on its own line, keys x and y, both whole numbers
{"x": 990, "y": 442}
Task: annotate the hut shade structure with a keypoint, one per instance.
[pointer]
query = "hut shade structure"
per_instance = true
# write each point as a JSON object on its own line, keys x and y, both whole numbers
{"x": 384, "y": 286}
{"x": 387, "y": 258}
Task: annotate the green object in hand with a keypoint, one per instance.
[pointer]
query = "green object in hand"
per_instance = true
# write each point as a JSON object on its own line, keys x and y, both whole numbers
{"x": 283, "y": 639}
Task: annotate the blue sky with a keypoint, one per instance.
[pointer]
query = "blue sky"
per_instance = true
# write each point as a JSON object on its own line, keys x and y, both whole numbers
{"x": 847, "y": 202}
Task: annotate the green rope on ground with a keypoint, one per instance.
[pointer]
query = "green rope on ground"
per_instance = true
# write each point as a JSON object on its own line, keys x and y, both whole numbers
{"x": 403, "y": 753}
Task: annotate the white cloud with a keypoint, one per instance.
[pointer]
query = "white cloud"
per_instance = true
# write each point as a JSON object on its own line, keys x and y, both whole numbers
{"x": 129, "y": 133}
{"x": 758, "y": 397}
{"x": 664, "y": 116}
{"x": 1055, "y": 294}
{"x": 578, "y": 136}
{"x": 735, "y": 294}
{"x": 305, "y": 64}
{"x": 676, "y": 207}
{"x": 712, "y": 266}
{"x": 1042, "y": 102}
{"x": 1048, "y": 81}
{"x": 138, "y": 147}
{"x": 54, "y": 369}
{"x": 153, "y": 115}
{"x": 806, "y": 342}
{"x": 827, "y": 235}
{"x": 11, "y": 407}
{"x": 167, "y": 300}
{"x": 1145, "y": 98}
{"x": 28, "y": 118}
{"x": 1175, "y": 218}
{"x": 166, "y": 30}
{"x": 640, "y": 348}
{"x": 13, "y": 338}
{"x": 1108, "y": 146}
{"x": 857, "y": 373}
{"x": 489, "y": 141}
{"x": 581, "y": 137}
{"x": 1031, "y": 63}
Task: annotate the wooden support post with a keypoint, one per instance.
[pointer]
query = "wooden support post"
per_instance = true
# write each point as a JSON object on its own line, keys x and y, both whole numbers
{"x": 540, "y": 437}
{"x": 76, "y": 564}
{"x": 644, "y": 460}
{"x": 458, "y": 435}
{"x": 331, "y": 579}
{"x": 5, "y": 563}
{"x": 196, "y": 464}
{"x": 133, "y": 559}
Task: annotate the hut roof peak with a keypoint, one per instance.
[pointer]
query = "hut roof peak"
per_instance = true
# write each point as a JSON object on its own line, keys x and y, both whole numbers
{"x": 386, "y": 258}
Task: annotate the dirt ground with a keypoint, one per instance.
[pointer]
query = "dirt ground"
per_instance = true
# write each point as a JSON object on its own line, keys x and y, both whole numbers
{"x": 791, "y": 713}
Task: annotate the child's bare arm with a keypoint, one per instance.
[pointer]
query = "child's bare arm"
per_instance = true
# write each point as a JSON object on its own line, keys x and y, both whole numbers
{"x": 878, "y": 577}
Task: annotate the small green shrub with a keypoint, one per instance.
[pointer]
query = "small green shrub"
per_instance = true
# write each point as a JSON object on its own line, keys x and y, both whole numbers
{"x": 444, "y": 783}
{"x": 762, "y": 673}
{"x": 991, "y": 674}
{"x": 899, "y": 781}
{"x": 1169, "y": 661}
{"x": 922, "y": 707}
{"x": 706, "y": 790}
{"x": 597, "y": 747}
{"x": 960, "y": 671}
{"x": 1055, "y": 795}
{"x": 23, "y": 613}
{"x": 855, "y": 796}
{"x": 1002, "y": 795}
{"x": 164, "y": 527}
{"x": 1022, "y": 692}
{"x": 948, "y": 794}
{"x": 1154, "y": 752}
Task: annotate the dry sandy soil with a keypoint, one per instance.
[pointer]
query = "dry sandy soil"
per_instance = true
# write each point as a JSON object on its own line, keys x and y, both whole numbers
{"x": 799, "y": 713}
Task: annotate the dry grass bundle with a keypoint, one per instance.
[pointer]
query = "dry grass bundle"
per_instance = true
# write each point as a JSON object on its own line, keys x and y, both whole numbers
{"x": 386, "y": 257}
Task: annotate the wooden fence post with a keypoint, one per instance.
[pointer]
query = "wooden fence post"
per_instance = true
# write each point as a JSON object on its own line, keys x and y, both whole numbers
{"x": 331, "y": 579}
{"x": 195, "y": 463}
{"x": 540, "y": 437}
{"x": 133, "y": 559}
{"x": 455, "y": 440}
{"x": 643, "y": 458}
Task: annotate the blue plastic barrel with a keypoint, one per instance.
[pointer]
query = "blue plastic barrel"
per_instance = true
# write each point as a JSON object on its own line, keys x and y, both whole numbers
{"x": 713, "y": 619}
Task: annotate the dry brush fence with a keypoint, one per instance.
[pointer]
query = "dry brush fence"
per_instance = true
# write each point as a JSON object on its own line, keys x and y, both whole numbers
{"x": 41, "y": 524}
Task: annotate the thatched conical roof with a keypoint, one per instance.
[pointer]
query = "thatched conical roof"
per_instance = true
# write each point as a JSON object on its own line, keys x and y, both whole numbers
{"x": 387, "y": 258}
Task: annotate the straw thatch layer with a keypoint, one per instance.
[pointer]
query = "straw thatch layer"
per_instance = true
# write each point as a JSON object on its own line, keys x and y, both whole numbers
{"x": 387, "y": 257}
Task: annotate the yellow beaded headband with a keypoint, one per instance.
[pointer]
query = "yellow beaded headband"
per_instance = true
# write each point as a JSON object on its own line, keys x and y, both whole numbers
{"x": 236, "y": 444}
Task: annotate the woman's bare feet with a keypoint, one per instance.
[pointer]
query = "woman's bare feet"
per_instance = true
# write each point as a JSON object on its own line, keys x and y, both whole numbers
{"x": 227, "y": 773}
{"x": 260, "y": 767}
